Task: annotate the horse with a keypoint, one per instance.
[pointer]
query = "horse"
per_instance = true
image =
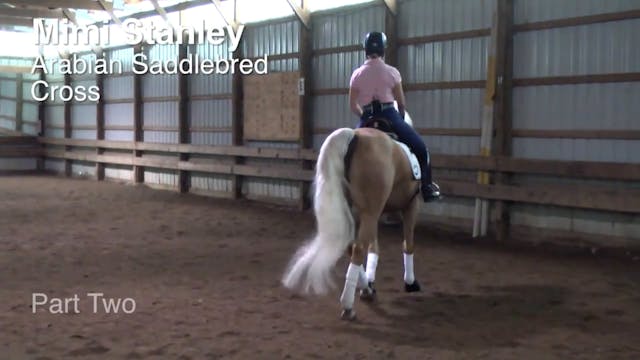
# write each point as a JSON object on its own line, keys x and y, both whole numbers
{"x": 360, "y": 173}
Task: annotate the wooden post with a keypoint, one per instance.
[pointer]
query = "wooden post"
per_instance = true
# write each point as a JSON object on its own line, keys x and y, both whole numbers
{"x": 237, "y": 115}
{"x": 391, "y": 30}
{"x": 19, "y": 102}
{"x": 306, "y": 73}
{"x": 138, "y": 171}
{"x": 100, "y": 119}
{"x": 42, "y": 110}
{"x": 67, "y": 125}
{"x": 184, "y": 134}
{"x": 503, "y": 107}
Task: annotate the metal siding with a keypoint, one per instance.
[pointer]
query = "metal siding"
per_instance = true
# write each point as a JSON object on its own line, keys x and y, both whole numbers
{"x": 346, "y": 26}
{"x": 118, "y": 114}
{"x": 81, "y": 168}
{"x": 526, "y": 11}
{"x": 123, "y": 56}
{"x": 55, "y": 165}
{"x": 54, "y": 115}
{"x": 159, "y": 85}
{"x": 272, "y": 39}
{"x": 83, "y": 115}
{"x": 201, "y": 84}
{"x": 454, "y": 60}
{"x": 578, "y": 50}
{"x": 18, "y": 164}
{"x": 8, "y": 88}
{"x": 429, "y": 17}
{"x": 120, "y": 87}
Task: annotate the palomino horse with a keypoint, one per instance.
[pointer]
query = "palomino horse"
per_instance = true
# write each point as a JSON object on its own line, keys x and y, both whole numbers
{"x": 360, "y": 173}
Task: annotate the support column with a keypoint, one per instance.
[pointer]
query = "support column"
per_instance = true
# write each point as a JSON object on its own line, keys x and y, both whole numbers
{"x": 138, "y": 171}
{"x": 184, "y": 133}
{"x": 19, "y": 102}
{"x": 503, "y": 108}
{"x": 391, "y": 30}
{"x": 306, "y": 111}
{"x": 100, "y": 119}
{"x": 67, "y": 125}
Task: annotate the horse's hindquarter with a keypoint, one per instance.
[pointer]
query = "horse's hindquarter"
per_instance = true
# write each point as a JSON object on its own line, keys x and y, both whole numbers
{"x": 380, "y": 174}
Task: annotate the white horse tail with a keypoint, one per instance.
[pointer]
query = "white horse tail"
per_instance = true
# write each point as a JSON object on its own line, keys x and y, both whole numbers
{"x": 310, "y": 270}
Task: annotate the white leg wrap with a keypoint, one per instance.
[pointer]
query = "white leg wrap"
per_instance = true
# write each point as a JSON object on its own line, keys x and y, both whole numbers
{"x": 372, "y": 264}
{"x": 409, "y": 277}
{"x": 350, "y": 283}
{"x": 362, "y": 278}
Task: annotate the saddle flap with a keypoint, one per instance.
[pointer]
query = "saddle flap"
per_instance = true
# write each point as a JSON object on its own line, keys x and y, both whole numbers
{"x": 413, "y": 160}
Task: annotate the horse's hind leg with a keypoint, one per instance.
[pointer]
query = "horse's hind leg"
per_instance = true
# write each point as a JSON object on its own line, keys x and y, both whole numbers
{"x": 355, "y": 278}
{"x": 409, "y": 217}
{"x": 368, "y": 293}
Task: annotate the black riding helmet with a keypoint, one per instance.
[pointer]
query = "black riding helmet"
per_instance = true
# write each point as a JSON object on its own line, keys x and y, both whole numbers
{"x": 374, "y": 43}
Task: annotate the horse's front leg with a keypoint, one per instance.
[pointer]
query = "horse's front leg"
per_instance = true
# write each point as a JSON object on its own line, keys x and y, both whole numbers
{"x": 409, "y": 217}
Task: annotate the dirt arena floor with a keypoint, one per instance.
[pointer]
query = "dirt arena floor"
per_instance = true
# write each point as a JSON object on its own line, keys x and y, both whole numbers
{"x": 205, "y": 277}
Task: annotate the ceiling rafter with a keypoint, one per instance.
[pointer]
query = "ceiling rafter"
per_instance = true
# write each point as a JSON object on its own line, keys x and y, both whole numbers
{"x": 72, "y": 4}
{"x": 233, "y": 21}
{"x": 301, "y": 12}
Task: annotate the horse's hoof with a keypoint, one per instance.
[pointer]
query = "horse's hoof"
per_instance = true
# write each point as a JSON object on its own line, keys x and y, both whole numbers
{"x": 415, "y": 287}
{"x": 368, "y": 294}
{"x": 348, "y": 315}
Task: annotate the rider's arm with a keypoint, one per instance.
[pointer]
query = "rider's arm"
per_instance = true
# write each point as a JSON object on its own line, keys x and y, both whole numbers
{"x": 398, "y": 94}
{"x": 353, "y": 102}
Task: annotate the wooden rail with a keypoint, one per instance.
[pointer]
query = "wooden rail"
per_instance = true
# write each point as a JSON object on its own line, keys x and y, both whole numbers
{"x": 606, "y": 198}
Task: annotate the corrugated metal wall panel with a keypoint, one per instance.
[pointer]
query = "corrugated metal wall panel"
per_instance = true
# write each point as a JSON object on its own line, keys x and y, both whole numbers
{"x": 83, "y": 134}
{"x": 592, "y": 49}
{"x": 428, "y": 17}
{"x": 584, "y": 106}
{"x": 118, "y": 87}
{"x": 8, "y": 88}
{"x": 54, "y": 115}
{"x": 161, "y": 177}
{"x": 83, "y": 169}
{"x": 346, "y": 27}
{"x": 454, "y": 60}
{"x": 124, "y": 56}
{"x": 540, "y": 10}
{"x": 118, "y": 115}
{"x": 599, "y": 48}
{"x": 55, "y": 165}
{"x": 276, "y": 38}
{"x": 18, "y": 164}
{"x": 83, "y": 114}
{"x": 161, "y": 113}
{"x": 116, "y": 172}
{"x": 162, "y": 52}
{"x": 201, "y": 84}
{"x": 159, "y": 85}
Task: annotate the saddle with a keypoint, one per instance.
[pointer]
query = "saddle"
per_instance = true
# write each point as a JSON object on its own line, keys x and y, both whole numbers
{"x": 377, "y": 121}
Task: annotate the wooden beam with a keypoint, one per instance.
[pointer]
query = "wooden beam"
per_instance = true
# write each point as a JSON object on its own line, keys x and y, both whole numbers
{"x": 19, "y": 101}
{"x": 16, "y": 21}
{"x": 20, "y": 152}
{"x": 337, "y": 50}
{"x": 578, "y": 79}
{"x": 583, "y": 197}
{"x": 31, "y": 13}
{"x": 306, "y": 100}
{"x": 53, "y": 4}
{"x": 18, "y": 140}
{"x": 302, "y": 13}
{"x": 466, "y": 34}
{"x": 138, "y": 135}
{"x": 392, "y": 6}
{"x": 67, "y": 125}
{"x": 237, "y": 117}
{"x": 391, "y": 30}
{"x": 560, "y": 168}
{"x": 579, "y": 20}
{"x": 19, "y": 69}
{"x": 184, "y": 134}
{"x": 100, "y": 120}
{"x": 503, "y": 108}
{"x": 231, "y": 21}
{"x": 577, "y": 134}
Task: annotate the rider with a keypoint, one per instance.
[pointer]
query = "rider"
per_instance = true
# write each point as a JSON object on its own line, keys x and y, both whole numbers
{"x": 372, "y": 89}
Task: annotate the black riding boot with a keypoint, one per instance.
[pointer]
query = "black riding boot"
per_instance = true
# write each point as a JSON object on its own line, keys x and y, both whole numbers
{"x": 430, "y": 190}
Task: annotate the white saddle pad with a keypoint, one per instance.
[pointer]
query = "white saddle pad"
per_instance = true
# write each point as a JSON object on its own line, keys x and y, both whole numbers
{"x": 413, "y": 160}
